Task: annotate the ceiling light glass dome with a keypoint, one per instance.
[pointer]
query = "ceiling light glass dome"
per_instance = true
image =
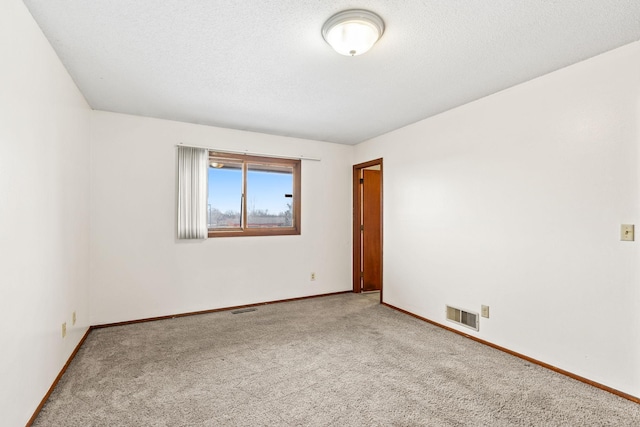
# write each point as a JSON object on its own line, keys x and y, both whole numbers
{"x": 353, "y": 32}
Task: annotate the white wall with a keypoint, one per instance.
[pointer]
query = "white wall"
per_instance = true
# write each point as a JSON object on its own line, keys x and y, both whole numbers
{"x": 515, "y": 201}
{"x": 44, "y": 214}
{"x": 140, "y": 270}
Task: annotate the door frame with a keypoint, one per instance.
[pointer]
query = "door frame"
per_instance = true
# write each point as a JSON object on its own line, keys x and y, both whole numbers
{"x": 357, "y": 212}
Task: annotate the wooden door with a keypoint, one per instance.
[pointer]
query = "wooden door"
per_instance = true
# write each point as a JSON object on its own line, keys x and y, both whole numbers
{"x": 371, "y": 236}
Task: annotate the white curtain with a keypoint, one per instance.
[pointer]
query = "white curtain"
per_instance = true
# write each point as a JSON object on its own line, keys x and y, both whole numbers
{"x": 192, "y": 192}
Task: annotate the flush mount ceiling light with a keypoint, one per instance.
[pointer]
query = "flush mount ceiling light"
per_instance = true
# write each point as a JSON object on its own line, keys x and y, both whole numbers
{"x": 353, "y": 32}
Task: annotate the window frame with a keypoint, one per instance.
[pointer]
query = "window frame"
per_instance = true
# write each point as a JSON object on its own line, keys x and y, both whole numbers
{"x": 246, "y": 159}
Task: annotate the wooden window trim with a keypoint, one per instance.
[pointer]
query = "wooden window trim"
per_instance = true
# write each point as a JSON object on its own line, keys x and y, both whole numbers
{"x": 297, "y": 202}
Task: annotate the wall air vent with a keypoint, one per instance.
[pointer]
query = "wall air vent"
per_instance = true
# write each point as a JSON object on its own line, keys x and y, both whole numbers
{"x": 463, "y": 317}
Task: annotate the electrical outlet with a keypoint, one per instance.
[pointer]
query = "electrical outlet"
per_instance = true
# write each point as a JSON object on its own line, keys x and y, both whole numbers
{"x": 64, "y": 329}
{"x": 484, "y": 312}
{"x": 313, "y": 276}
{"x": 73, "y": 318}
{"x": 627, "y": 232}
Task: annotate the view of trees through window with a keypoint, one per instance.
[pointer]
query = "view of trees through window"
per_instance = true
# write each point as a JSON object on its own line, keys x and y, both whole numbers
{"x": 269, "y": 193}
{"x": 224, "y": 201}
{"x": 268, "y": 198}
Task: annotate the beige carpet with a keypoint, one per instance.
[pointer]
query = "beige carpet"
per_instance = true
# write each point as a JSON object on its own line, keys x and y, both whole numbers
{"x": 342, "y": 360}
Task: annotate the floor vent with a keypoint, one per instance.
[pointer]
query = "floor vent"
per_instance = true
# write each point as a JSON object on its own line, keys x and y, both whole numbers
{"x": 244, "y": 310}
{"x": 462, "y": 317}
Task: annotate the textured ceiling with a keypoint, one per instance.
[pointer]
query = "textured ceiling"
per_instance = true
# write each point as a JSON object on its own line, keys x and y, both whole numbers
{"x": 263, "y": 65}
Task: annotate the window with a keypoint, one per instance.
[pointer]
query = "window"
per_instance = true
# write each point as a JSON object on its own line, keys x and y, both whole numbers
{"x": 252, "y": 196}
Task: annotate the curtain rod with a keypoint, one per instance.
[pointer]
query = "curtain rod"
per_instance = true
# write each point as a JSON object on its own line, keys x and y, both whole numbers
{"x": 250, "y": 153}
